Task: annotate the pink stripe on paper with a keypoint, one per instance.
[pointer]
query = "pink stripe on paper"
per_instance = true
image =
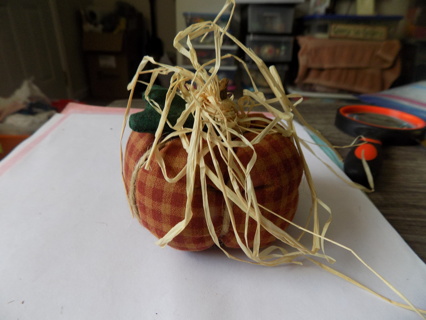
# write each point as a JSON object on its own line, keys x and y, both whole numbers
{"x": 88, "y": 109}
{"x": 30, "y": 143}
{"x": 407, "y": 100}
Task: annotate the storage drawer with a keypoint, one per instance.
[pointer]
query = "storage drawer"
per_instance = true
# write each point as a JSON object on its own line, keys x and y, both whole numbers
{"x": 270, "y": 19}
{"x": 259, "y": 79}
{"x": 271, "y": 48}
{"x": 208, "y": 52}
{"x": 228, "y": 72}
{"x": 197, "y": 17}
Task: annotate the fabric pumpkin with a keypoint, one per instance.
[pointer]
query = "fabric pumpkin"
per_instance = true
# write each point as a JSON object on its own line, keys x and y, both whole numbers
{"x": 161, "y": 205}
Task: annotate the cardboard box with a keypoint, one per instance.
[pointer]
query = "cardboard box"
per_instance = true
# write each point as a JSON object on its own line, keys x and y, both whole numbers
{"x": 358, "y": 32}
{"x": 377, "y": 27}
{"x": 108, "y": 74}
{"x": 103, "y": 42}
{"x": 109, "y": 57}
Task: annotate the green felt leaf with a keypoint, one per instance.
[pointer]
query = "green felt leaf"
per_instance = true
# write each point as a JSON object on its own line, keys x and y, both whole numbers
{"x": 148, "y": 119}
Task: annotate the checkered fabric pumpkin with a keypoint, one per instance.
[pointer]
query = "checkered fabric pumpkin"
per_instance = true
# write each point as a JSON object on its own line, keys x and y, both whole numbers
{"x": 161, "y": 205}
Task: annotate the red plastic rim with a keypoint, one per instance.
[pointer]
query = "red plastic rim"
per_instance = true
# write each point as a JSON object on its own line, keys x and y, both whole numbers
{"x": 414, "y": 121}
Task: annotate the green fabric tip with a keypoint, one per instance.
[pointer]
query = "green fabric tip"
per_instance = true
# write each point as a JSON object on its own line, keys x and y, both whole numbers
{"x": 148, "y": 119}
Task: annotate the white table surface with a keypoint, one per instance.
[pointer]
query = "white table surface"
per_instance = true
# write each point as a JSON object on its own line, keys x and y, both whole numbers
{"x": 69, "y": 248}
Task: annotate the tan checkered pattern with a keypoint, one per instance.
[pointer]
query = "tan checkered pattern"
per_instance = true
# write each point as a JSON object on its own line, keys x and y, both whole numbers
{"x": 276, "y": 176}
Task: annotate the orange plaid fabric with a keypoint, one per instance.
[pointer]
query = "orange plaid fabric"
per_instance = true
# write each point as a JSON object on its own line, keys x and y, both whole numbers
{"x": 276, "y": 176}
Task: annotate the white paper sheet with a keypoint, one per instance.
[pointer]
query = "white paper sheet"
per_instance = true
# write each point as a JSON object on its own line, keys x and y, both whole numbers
{"x": 69, "y": 248}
